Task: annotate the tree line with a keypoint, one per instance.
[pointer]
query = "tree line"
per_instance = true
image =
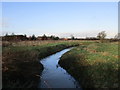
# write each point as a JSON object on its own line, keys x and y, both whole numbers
{"x": 100, "y": 36}
{"x": 33, "y": 37}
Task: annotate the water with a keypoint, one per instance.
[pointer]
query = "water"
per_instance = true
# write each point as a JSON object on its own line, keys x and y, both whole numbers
{"x": 53, "y": 76}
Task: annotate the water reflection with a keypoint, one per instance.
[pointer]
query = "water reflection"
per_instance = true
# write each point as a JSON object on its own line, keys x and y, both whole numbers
{"x": 53, "y": 76}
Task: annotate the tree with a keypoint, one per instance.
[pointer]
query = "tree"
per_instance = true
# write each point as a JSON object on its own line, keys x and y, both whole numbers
{"x": 12, "y": 34}
{"x": 33, "y": 37}
{"x": 6, "y": 34}
{"x": 101, "y": 36}
{"x": 54, "y": 37}
{"x": 25, "y": 35}
{"x": 44, "y": 37}
{"x": 72, "y": 37}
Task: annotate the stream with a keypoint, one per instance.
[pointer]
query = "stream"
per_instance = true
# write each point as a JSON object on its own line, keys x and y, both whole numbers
{"x": 54, "y": 76}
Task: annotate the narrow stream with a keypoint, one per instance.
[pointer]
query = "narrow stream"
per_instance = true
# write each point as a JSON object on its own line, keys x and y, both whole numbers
{"x": 53, "y": 76}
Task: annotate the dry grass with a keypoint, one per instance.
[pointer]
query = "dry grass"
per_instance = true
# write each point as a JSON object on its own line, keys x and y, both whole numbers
{"x": 28, "y": 43}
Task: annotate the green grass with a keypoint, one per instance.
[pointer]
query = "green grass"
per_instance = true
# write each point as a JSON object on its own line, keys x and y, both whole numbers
{"x": 21, "y": 66}
{"x": 94, "y": 65}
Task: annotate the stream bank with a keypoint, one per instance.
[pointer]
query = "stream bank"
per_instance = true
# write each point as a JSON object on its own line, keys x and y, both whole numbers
{"x": 21, "y": 67}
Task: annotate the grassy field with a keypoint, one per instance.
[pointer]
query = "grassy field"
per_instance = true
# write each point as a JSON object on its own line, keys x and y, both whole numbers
{"x": 20, "y": 61}
{"x": 94, "y": 65}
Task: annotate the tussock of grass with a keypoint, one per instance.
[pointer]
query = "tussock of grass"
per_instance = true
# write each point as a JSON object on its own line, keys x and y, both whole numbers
{"x": 93, "y": 65}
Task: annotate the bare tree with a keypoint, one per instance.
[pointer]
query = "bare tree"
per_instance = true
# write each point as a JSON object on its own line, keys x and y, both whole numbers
{"x": 101, "y": 36}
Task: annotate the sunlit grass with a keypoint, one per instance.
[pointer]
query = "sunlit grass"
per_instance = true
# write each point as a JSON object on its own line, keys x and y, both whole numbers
{"x": 93, "y": 65}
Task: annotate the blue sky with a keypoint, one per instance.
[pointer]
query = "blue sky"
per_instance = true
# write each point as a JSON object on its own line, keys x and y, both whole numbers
{"x": 62, "y": 19}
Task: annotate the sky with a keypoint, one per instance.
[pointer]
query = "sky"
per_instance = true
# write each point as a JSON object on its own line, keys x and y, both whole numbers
{"x": 63, "y": 19}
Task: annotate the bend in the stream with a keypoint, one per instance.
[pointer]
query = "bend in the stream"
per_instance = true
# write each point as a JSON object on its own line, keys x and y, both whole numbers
{"x": 53, "y": 76}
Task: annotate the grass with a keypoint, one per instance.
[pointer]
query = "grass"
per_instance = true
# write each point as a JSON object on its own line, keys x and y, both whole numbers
{"x": 94, "y": 65}
{"x": 20, "y": 61}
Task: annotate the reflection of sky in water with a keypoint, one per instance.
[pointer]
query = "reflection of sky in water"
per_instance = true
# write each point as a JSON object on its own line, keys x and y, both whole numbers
{"x": 53, "y": 76}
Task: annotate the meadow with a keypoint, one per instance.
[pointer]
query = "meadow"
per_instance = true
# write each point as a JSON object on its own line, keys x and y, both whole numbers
{"x": 20, "y": 61}
{"x": 91, "y": 63}
{"x": 94, "y": 65}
